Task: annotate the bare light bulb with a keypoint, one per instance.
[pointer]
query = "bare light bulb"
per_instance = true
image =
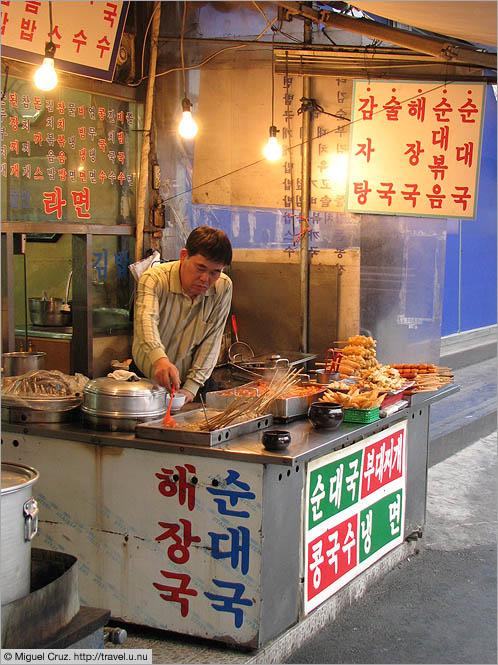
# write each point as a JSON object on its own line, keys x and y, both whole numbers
{"x": 46, "y": 76}
{"x": 273, "y": 149}
{"x": 188, "y": 126}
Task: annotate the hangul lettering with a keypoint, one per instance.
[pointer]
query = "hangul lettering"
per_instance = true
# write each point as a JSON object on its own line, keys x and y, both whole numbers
{"x": 14, "y": 146}
{"x": 72, "y": 141}
{"x": 62, "y": 157}
{"x": 49, "y": 122}
{"x": 174, "y": 594}
{"x": 82, "y": 111}
{"x": 379, "y": 462}
{"x": 121, "y": 177}
{"x": 120, "y": 116}
{"x": 103, "y": 44}
{"x": 234, "y": 495}
{"x": 82, "y": 132}
{"x": 111, "y": 136}
{"x": 3, "y": 132}
{"x": 325, "y": 201}
{"x": 26, "y": 124}
{"x": 92, "y": 175}
{"x": 32, "y": 7}
{"x": 72, "y": 175}
{"x": 392, "y": 107}
{"x": 129, "y": 118}
{"x": 349, "y": 542}
{"x": 110, "y": 12}
{"x": 365, "y": 149}
{"x": 14, "y": 169}
{"x": 436, "y": 198}
{"x": 3, "y": 114}
{"x": 335, "y": 490}
{"x": 332, "y": 558}
{"x": 14, "y": 123}
{"x": 318, "y": 559}
{"x": 37, "y": 103}
{"x": 62, "y": 173}
{"x": 3, "y": 168}
{"x": 55, "y": 34}
{"x": 287, "y": 81}
{"x": 51, "y": 173}
{"x": 101, "y": 113}
{"x": 111, "y": 116}
{"x": 82, "y": 175}
{"x": 26, "y": 171}
{"x": 411, "y": 194}
{"x": 38, "y": 174}
{"x": 361, "y": 189}
{"x": 288, "y": 98}
{"x": 101, "y": 269}
{"x": 3, "y": 151}
{"x": 466, "y": 110}
{"x": 286, "y": 133}
{"x": 26, "y": 101}
{"x": 122, "y": 261}
{"x": 82, "y": 154}
{"x": 102, "y": 176}
{"x": 13, "y": 99}
{"x": 37, "y": 138}
{"x": 61, "y": 107}
{"x": 386, "y": 193}
{"x": 49, "y": 105}
{"x": 61, "y": 140}
{"x": 28, "y": 27}
{"x": 25, "y": 199}
{"x": 462, "y": 197}
{"x": 92, "y": 112}
{"x": 121, "y": 157}
{"x": 316, "y": 498}
{"x": 14, "y": 198}
{"x": 120, "y": 136}
{"x": 341, "y": 96}
{"x": 53, "y": 202}
{"x": 442, "y": 109}
{"x": 464, "y": 153}
{"x": 111, "y": 155}
{"x": 92, "y": 154}
{"x": 92, "y": 132}
{"x": 341, "y": 148}
{"x": 239, "y": 549}
{"x": 440, "y": 137}
{"x": 395, "y": 515}
{"x": 71, "y": 109}
{"x": 322, "y": 147}
{"x": 414, "y": 150}
{"x": 50, "y": 139}
{"x": 61, "y": 123}
{"x": 5, "y": 20}
{"x": 169, "y": 487}
{"x": 367, "y": 108}
{"x": 51, "y": 156}
{"x": 80, "y": 39}
{"x": 112, "y": 177}
{"x": 288, "y": 114}
{"x": 352, "y": 478}
{"x": 366, "y": 531}
{"x": 178, "y": 551}
{"x": 227, "y": 603}
{"x": 398, "y": 453}
{"x": 370, "y": 468}
{"x": 439, "y": 167}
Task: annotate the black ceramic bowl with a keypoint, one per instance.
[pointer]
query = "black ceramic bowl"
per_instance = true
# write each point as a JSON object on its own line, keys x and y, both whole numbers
{"x": 276, "y": 439}
{"x": 326, "y": 415}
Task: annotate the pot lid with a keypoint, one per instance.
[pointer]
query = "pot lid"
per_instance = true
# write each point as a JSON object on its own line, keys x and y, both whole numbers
{"x": 17, "y": 476}
{"x": 107, "y": 385}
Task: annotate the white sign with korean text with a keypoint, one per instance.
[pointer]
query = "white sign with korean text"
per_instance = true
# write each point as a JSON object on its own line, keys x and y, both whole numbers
{"x": 86, "y": 34}
{"x": 415, "y": 148}
{"x": 354, "y": 511}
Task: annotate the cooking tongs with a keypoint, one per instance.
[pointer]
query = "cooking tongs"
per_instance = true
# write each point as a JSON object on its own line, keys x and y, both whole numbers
{"x": 335, "y": 361}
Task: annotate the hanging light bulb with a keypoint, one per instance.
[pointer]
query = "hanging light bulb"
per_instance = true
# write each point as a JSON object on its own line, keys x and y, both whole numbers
{"x": 46, "y": 76}
{"x": 188, "y": 126}
{"x": 273, "y": 149}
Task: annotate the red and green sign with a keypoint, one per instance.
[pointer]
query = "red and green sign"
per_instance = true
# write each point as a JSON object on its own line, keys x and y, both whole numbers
{"x": 355, "y": 511}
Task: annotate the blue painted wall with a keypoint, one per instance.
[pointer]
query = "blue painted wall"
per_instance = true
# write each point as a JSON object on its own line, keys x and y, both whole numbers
{"x": 470, "y": 274}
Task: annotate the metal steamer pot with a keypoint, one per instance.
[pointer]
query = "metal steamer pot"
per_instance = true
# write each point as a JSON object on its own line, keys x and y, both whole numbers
{"x": 19, "y": 526}
{"x": 114, "y": 405}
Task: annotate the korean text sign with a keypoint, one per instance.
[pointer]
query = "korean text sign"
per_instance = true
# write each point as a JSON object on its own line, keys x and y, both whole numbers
{"x": 355, "y": 500}
{"x": 83, "y": 32}
{"x": 415, "y": 148}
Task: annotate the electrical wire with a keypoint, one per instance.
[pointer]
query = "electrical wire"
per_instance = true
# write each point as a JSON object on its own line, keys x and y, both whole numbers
{"x": 181, "y": 48}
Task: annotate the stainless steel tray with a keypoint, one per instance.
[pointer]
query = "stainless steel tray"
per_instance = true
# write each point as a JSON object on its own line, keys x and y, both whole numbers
{"x": 156, "y": 430}
{"x": 284, "y": 408}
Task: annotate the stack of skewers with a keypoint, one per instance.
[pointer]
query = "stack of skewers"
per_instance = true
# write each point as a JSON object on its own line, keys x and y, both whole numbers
{"x": 427, "y": 377}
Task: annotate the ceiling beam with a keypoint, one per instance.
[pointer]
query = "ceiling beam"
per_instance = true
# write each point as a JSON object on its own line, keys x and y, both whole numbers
{"x": 440, "y": 48}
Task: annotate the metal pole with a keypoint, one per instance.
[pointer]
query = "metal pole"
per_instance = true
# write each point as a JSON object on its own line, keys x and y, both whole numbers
{"x": 304, "y": 261}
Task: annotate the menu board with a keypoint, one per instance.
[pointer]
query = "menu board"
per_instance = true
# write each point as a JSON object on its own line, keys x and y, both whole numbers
{"x": 68, "y": 155}
{"x": 416, "y": 148}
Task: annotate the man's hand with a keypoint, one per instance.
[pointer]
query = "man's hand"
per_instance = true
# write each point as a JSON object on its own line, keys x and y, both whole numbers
{"x": 166, "y": 374}
{"x": 189, "y": 397}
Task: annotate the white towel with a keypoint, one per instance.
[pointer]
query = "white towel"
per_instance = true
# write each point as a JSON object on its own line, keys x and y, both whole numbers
{"x": 123, "y": 375}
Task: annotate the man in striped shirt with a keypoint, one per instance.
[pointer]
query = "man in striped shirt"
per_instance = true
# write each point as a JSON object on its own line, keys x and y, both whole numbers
{"x": 180, "y": 313}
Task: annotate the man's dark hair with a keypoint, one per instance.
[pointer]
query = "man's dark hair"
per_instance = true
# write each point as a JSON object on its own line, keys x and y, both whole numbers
{"x": 213, "y": 244}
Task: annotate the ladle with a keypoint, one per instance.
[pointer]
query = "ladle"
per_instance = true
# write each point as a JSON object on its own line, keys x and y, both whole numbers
{"x": 168, "y": 420}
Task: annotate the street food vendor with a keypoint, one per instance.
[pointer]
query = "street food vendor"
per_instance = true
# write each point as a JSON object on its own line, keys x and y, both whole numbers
{"x": 180, "y": 313}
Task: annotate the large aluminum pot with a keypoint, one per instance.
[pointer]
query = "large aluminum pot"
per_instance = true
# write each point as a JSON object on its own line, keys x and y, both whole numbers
{"x": 115, "y": 405}
{"x": 50, "y": 312}
{"x": 20, "y": 362}
{"x": 19, "y": 526}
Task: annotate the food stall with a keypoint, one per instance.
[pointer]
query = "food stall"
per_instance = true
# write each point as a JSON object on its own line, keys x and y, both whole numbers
{"x": 207, "y": 532}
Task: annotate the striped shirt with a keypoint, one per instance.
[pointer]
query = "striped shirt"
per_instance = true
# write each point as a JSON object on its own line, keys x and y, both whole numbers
{"x": 168, "y": 324}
